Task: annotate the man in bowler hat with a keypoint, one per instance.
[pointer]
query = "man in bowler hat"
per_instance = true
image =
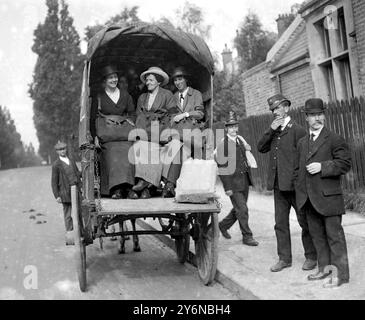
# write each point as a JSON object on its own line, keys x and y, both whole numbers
{"x": 65, "y": 174}
{"x": 235, "y": 174}
{"x": 323, "y": 157}
{"x": 281, "y": 140}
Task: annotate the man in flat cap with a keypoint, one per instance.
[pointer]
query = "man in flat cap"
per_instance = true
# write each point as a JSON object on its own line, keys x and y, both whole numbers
{"x": 281, "y": 140}
{"x": 323, "y": 157}
{"x": 235, "y": 174}
{"x": 65, "y": 174}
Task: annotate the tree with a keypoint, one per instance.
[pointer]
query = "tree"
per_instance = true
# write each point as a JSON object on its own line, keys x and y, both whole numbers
{"x": 55, "y": 89}
{"x": 252, "y": 42}
{"x": 191, "y": 19}
{"x": 127, "y": 16}
{"x": 228, "y": 95}
{"x": 11, "y": 147}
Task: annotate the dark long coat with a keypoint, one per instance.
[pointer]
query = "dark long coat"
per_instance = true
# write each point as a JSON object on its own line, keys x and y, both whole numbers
{"x": 324, "y": 188}
{"x": 283, "y": 147}
{"x": 61, "y": 186}
{"x": 229, "y": 154}
{"x": 115, "y": 167}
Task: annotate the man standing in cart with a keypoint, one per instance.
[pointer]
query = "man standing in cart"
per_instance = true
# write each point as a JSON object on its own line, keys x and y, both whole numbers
{"x": 231, "y": 156}
{"x": 281, "y": 140}
{"x": 64, "y": 175}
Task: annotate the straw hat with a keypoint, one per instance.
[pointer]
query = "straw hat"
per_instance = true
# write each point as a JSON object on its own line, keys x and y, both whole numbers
{"x": 155, "y": 70}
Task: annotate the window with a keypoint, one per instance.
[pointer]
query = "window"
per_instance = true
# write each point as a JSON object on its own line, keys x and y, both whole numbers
{"x": 341, "y": 31}
{"x": 345, "y": 72}
{"x": 335, "y": 62}
{"x": 330, "y": 81}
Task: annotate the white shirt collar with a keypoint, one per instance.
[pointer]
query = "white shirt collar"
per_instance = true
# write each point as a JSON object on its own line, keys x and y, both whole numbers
{"x": 184, "y": 93}
{"x": 286, "y": 121}
{"x": 315, "y": 133}
{"x": 65, "y": 160}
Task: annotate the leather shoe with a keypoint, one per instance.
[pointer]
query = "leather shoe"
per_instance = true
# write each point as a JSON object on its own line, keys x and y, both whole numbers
{"x": 224, "y": 232}
{"x": 280, "y": 265}
{"x": 132, "y": 195}
{"x": 335, "y": 282}
{"x": 250, "y": 242}
{"x": 169, "y": 190}
{"x": 318, "y": 276}
{"x": 309, "y": 264}
{"x": 69, "y": 237}
{"x": 140, "y": 185}
{"x": 117, "y": 194}
{"x": 145, "y": 194}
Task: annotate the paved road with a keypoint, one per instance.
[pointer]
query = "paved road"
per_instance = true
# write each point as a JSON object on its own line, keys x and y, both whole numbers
{"x": 35, "y": 263}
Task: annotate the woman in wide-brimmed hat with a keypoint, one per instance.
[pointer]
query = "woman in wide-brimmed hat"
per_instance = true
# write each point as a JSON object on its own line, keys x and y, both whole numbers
{"x": 152, "y": 105}
{"x": 116, "y": 172}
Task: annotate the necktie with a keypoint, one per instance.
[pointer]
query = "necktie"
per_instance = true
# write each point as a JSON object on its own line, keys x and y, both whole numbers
{"x": 181, "y": 99}
{"x": 311, "y": 141}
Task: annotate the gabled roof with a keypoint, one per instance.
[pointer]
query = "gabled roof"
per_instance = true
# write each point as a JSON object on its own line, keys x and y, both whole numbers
{"x": 291, "y": 34}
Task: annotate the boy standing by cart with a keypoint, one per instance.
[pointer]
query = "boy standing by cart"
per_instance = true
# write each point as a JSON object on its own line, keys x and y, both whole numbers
{"x": 64, "y": 175}
{"x": 235, "y": 174}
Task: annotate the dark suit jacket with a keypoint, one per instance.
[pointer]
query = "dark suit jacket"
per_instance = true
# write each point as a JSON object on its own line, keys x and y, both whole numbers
{"x": 61, "y": 186}
{"x": 229, "y": 154}
{"x": 324, "y": 188}
{"x": 193, "y": 103}
{"x": 283, "y": 147}
{"x": 164, "y": 101}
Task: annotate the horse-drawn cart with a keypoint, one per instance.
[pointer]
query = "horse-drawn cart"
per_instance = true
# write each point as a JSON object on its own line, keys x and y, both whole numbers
{"x": 141, "y": 46}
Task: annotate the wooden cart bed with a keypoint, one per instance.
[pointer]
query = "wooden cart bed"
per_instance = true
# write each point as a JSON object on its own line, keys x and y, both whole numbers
{"x": 154, "y": 206}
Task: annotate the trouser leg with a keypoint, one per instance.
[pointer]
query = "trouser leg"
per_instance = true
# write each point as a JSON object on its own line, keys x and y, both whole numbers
{"x": 67, "y": 216}
{"x": 317, "y": 230}
{"x": 282, "y": 230}
{"x": 309, "y": 249}
{"x": 337, "y": 244}
{"x": 239, "y": 201}
{"x": 229, "y": 220}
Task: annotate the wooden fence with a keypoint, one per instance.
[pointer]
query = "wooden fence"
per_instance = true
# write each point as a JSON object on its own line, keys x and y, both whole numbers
{"x": 345, "y": 118}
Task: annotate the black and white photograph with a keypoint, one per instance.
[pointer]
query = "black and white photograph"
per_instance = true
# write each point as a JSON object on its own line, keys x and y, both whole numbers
{"x": 182, "y": 156}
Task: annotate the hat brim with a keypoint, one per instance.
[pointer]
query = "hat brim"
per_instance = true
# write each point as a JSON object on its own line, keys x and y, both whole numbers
{"x": 314, "y": 111}
{"x": 160, "y": 73}
{"x": 231, "y": 123}
{"x": 278, "y": 103}
{"x": 185, "y": 75}
{"x": 60, "y": 147}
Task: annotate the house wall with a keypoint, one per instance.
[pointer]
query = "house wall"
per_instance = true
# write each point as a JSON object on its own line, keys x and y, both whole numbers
{"x": 257, "y": 88}
{"x": 358, "y": 8}
{"x": 297, "y": 85}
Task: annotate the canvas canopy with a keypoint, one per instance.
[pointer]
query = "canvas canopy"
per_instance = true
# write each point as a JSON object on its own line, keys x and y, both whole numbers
{"x": 135, "y": 48}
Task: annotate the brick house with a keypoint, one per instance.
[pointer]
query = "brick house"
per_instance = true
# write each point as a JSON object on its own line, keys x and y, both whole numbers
{"x": 322, "y": 54}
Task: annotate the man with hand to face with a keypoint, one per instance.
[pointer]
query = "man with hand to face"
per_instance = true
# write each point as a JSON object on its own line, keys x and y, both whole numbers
{"x": 281, "y": 140}
{"x": 323, "y": 157}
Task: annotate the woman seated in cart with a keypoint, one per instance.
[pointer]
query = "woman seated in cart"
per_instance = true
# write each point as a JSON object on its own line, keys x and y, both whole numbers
{"x": 116, "y": 172}
{"x": 190, "y": 110}
{"x": 152, "y": 156}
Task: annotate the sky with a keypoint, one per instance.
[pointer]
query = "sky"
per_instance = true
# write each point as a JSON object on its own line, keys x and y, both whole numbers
{"x": 19, "y": 18}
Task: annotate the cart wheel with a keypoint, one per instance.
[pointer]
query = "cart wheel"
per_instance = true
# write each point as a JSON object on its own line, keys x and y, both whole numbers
{"x": 182, "y": 243}
{"x": 206, "y": 246}
{"x": 80, "y": 250}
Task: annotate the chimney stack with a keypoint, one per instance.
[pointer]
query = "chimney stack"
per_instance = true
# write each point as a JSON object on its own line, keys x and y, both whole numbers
{"x": 227, "y": 60}
{"x": 283, "y": 22}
